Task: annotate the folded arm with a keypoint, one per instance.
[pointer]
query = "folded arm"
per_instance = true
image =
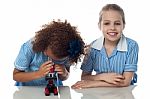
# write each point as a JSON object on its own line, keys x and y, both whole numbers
{"x": 104, "y": 80}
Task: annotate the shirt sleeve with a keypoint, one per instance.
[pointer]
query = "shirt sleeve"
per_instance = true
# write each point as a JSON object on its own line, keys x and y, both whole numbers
{"x": 24, "y": 57}
{"x": 87, "y": 64}
{"x": 132, "y": 58}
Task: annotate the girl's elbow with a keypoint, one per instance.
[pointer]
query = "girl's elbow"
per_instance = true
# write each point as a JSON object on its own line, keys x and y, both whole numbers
{"x": 14, "y": 77}
{"x": 125, "y": 84}
{"x": 83, "y": 78}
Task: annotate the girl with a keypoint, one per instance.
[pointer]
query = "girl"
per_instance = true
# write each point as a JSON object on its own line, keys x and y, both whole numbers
{"x": 57, "y": 41}
{"x": 113, "y": 56}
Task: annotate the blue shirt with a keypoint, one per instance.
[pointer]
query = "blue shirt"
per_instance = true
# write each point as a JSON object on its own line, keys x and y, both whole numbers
{"x": 124, "y": 58}
{"x": 29, "y": 61}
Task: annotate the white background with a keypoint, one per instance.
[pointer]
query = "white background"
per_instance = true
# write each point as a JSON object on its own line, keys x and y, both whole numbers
{"x": 20, "y": 19}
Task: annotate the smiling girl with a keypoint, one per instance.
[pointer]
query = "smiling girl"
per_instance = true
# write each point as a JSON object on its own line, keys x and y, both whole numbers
{"x": 113, "y": 56}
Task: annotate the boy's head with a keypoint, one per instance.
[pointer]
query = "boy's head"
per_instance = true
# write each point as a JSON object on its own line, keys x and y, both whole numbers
{"x": 62, "y": 39}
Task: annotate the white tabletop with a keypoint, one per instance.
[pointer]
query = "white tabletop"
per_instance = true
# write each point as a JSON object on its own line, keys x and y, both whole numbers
{"x": 65, "y": 92}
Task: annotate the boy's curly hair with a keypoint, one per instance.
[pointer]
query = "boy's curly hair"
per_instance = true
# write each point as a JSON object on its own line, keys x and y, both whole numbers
{"x": 63, "y": 39}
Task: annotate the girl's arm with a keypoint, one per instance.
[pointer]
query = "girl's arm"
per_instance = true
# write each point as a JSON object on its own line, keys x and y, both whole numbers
{"x": 91, "y": 84}
{"x": 62, "y": 71}
{"x": 112, "y": 78}
{"x": 128, "y": 78}
{"x": 87, "y": 83}
{"x": 22, "y": 76}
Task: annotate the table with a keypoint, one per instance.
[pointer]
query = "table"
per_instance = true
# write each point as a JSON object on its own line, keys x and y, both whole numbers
{"x": 65, "y": 92}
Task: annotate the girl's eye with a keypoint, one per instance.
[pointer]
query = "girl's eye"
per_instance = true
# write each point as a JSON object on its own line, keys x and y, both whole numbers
{"x": 107, "y": 23}
{"x": 117, "y": 23}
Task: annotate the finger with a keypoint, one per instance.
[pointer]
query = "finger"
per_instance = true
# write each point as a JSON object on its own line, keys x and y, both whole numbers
{"x": 59, "y": 72}
{"x": 47, "y": 62}
{"x": 49, "y": 66}
{"x": 45, "y": 73}
{"x": 120, "y": 77}
{"x": 76, "y": 86}
{"x": 46, "y": 67}
{"x": 59, "y": 66}
{"x": 59, "y": 69}
{"x": 116, "y": 83}
{"x": 118, "y": 80}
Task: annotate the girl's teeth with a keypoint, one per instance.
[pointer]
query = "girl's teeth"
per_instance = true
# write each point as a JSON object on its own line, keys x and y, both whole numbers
{"x": 112, "y": 34}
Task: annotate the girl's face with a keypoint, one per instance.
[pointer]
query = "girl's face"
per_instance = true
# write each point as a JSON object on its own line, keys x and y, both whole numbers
{"x": 54, "y": 59}
{"x": 111, "y": 25}
{"x": 48, "y": 52}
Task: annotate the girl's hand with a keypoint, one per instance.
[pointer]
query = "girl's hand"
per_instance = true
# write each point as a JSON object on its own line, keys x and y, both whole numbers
{"x": 83, "y": 84}
{"x": 112, "y": 78}
{"x": 62, "y": 71}
{"x": 44, "y": 68}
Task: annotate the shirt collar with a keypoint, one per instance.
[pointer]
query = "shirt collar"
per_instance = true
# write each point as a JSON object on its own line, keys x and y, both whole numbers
{"x": 122, "y": 44}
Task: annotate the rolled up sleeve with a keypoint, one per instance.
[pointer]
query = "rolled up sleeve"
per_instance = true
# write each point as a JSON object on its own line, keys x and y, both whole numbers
{"x": 87, "y": 65}
{"x": 23, "y": 59}
{"x": 132, "y": 58}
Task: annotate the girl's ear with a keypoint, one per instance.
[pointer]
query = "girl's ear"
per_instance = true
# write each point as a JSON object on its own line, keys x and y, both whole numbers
{"x": 123, "y": 26}
{"x": 45, "y": 53}
{"x": 99, "y": 25}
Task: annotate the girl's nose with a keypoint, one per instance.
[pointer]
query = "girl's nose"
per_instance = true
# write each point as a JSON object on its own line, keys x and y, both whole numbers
{"x": 112, "y": 26}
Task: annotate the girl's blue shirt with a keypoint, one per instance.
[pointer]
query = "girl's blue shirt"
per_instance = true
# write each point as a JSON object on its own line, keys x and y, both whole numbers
{"x": 123, "y": 58}
{"x": 29, "y": 61}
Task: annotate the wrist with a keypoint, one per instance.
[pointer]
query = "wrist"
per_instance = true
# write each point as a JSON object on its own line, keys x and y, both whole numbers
{"x": 37, "y": 74}
{"x": 100, "y": 77}
{"x": 64, "y": 76}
